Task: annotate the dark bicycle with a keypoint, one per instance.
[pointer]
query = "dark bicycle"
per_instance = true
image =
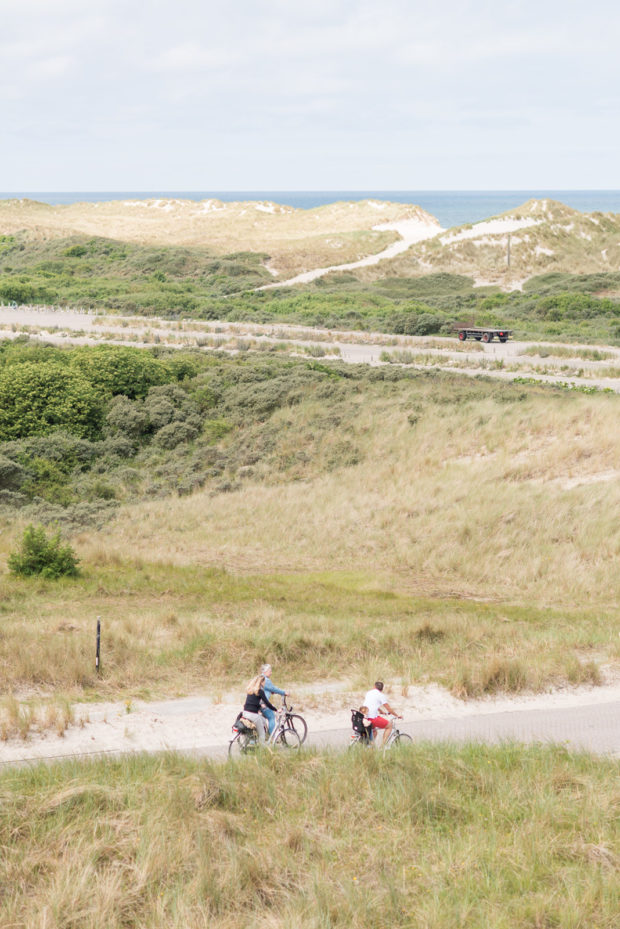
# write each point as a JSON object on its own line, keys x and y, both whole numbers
{"x": 245, "y": 737}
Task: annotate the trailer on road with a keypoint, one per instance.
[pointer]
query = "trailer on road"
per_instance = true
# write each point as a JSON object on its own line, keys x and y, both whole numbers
{"x": 482, "y": 333}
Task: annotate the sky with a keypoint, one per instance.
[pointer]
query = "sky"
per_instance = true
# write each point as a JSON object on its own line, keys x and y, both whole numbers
{"x": 324, "y": 95}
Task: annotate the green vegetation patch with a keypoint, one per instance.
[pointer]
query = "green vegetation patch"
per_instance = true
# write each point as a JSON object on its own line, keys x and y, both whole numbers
{"x": 191, "y": 283}
{"x": 89, "y": 427}
{"x": 430, "y": 836}
{"x": 43, "y": 556}
{"x": 170, "y": 629}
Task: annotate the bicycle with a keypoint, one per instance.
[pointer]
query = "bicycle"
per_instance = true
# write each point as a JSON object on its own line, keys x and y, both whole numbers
{"x": 361, "y": 737}
{"x": 294, "y": 721}
{"x": 245, "y": 741}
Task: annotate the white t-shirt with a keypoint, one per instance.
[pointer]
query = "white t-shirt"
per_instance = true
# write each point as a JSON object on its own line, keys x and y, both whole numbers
{"x": 373, "y": 700}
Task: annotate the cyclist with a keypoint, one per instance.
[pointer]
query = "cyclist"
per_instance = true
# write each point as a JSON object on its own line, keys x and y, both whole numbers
{"x": 377, "y": 711}
{"x": 270, "y": 688}
{"x": 255, "y": 697}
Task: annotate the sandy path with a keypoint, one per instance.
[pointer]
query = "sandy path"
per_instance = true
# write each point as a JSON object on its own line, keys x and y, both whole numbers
{"x": 410, "y": 231}
{"x": 197, "y": 723}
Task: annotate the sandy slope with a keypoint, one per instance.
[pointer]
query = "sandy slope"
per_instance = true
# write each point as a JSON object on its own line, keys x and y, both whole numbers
{"x": 410, "y": 231}
{"x": 295, "y": 240}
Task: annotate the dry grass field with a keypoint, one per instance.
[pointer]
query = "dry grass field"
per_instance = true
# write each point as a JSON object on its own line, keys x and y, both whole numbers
{"x": 295, "y": 240}
{"x": 492, "y": 499}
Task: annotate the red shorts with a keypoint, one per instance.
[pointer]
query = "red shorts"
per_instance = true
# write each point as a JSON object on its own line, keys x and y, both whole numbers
{"x": 380, "y": 722}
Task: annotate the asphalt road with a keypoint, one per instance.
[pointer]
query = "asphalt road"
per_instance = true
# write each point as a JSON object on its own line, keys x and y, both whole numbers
{"x": 594, "y": 728}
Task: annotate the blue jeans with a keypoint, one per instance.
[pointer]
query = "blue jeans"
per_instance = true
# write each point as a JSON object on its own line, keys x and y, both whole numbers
{"x": 270, "y": 716}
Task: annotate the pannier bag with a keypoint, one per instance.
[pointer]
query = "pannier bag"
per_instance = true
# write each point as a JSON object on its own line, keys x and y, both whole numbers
{"x": 243, "y": 725}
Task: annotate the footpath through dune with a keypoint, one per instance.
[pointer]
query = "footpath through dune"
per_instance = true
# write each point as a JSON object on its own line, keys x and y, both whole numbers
{"x": 410, "y": 231}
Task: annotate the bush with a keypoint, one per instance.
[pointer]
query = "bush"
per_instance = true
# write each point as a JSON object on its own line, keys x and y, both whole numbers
{"x": 36, "y": 399}
{"x": 122, "y": 370}
{"x": 127, "y": 418}
{"x": 175, "y": 434}
{"x": 42, "y": 556}
{"x": 12, "y": 474}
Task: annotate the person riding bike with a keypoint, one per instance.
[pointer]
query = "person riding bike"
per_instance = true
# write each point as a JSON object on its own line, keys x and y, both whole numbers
{"x": 255, "y": 699}
{"x": 270, "y": 688}
{"x": 378, "y": 709}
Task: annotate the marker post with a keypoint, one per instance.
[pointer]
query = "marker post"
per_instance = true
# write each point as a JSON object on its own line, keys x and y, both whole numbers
{"x": 98, "y": 650}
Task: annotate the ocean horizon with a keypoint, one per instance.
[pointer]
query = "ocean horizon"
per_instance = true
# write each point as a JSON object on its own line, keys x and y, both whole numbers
{"x": 450, "y": 207}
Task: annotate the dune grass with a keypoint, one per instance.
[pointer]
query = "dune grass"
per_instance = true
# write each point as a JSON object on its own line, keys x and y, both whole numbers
{"x": 484, "y": 514}
{"x": 563, "y": 351}
{"x": 484, "y": 490}
{"x": 491, "y": 838}
{"x": 180, "y": 629}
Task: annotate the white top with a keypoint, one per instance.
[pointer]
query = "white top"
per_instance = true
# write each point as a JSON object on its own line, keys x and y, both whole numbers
{"x": 373, "y": 700}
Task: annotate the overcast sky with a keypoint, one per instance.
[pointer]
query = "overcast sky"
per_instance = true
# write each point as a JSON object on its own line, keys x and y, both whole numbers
{"x": 321, "y": 95}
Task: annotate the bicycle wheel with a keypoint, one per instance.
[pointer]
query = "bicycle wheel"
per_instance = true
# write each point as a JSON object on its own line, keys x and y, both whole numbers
{"x": 400, "y": 739}
{"x": 357, "y": 743}
{"x": 242, "y": 744}
{"x": 297, "y": 724}
{"x": 287, "y": 739}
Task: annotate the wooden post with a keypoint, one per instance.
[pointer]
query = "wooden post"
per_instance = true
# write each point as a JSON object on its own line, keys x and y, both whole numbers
{"x": 97, "y": 653}
{"x": 508, "y": 252}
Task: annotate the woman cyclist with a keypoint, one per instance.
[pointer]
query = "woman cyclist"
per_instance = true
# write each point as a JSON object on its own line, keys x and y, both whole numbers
{"x": 255, "y": 699}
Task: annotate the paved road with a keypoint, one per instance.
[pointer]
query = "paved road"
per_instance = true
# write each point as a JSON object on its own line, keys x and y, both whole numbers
{"x": 594, "y": 728}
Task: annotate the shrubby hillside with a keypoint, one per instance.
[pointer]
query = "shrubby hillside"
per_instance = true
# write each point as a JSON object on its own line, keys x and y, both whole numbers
{"x": 464, "y": 530}
{"x": 83, "y": 429}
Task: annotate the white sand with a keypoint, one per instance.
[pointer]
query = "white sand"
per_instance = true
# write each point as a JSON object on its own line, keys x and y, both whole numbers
{"x": 410, "y": 231}
{"x": 490, "y": 227}
{"x": 199, "y": 722}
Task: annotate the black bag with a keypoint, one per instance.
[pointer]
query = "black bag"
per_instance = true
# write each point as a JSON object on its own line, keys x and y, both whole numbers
{"x": 357, "y": 721}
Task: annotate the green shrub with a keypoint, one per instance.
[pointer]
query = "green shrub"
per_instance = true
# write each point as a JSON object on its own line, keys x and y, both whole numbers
{"x": 12, "y": 474}
{"x": 37, "y": 398}
{"x": 122, "y": 370}
{"x": 174, "y": 434}
{"x": 127, "y": 418}
{"x": 42, "y": 556}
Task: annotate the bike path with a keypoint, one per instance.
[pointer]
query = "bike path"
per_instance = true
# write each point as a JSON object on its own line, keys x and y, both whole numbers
{"x": 594, "y": 728}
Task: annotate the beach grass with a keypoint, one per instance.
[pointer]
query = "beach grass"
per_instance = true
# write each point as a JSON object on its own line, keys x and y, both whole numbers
{"x": 492, "y": 838}
{"x": 178, "y": 629}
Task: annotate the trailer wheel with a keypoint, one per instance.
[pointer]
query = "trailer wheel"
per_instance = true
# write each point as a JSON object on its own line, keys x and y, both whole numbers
{"x": 462, "y": 336}
{"x": 487, "y": 336}
{"x": 502, "y": 338}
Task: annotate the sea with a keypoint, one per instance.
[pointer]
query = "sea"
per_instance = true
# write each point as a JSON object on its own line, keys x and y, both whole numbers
{"x": 450, "y": 207}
